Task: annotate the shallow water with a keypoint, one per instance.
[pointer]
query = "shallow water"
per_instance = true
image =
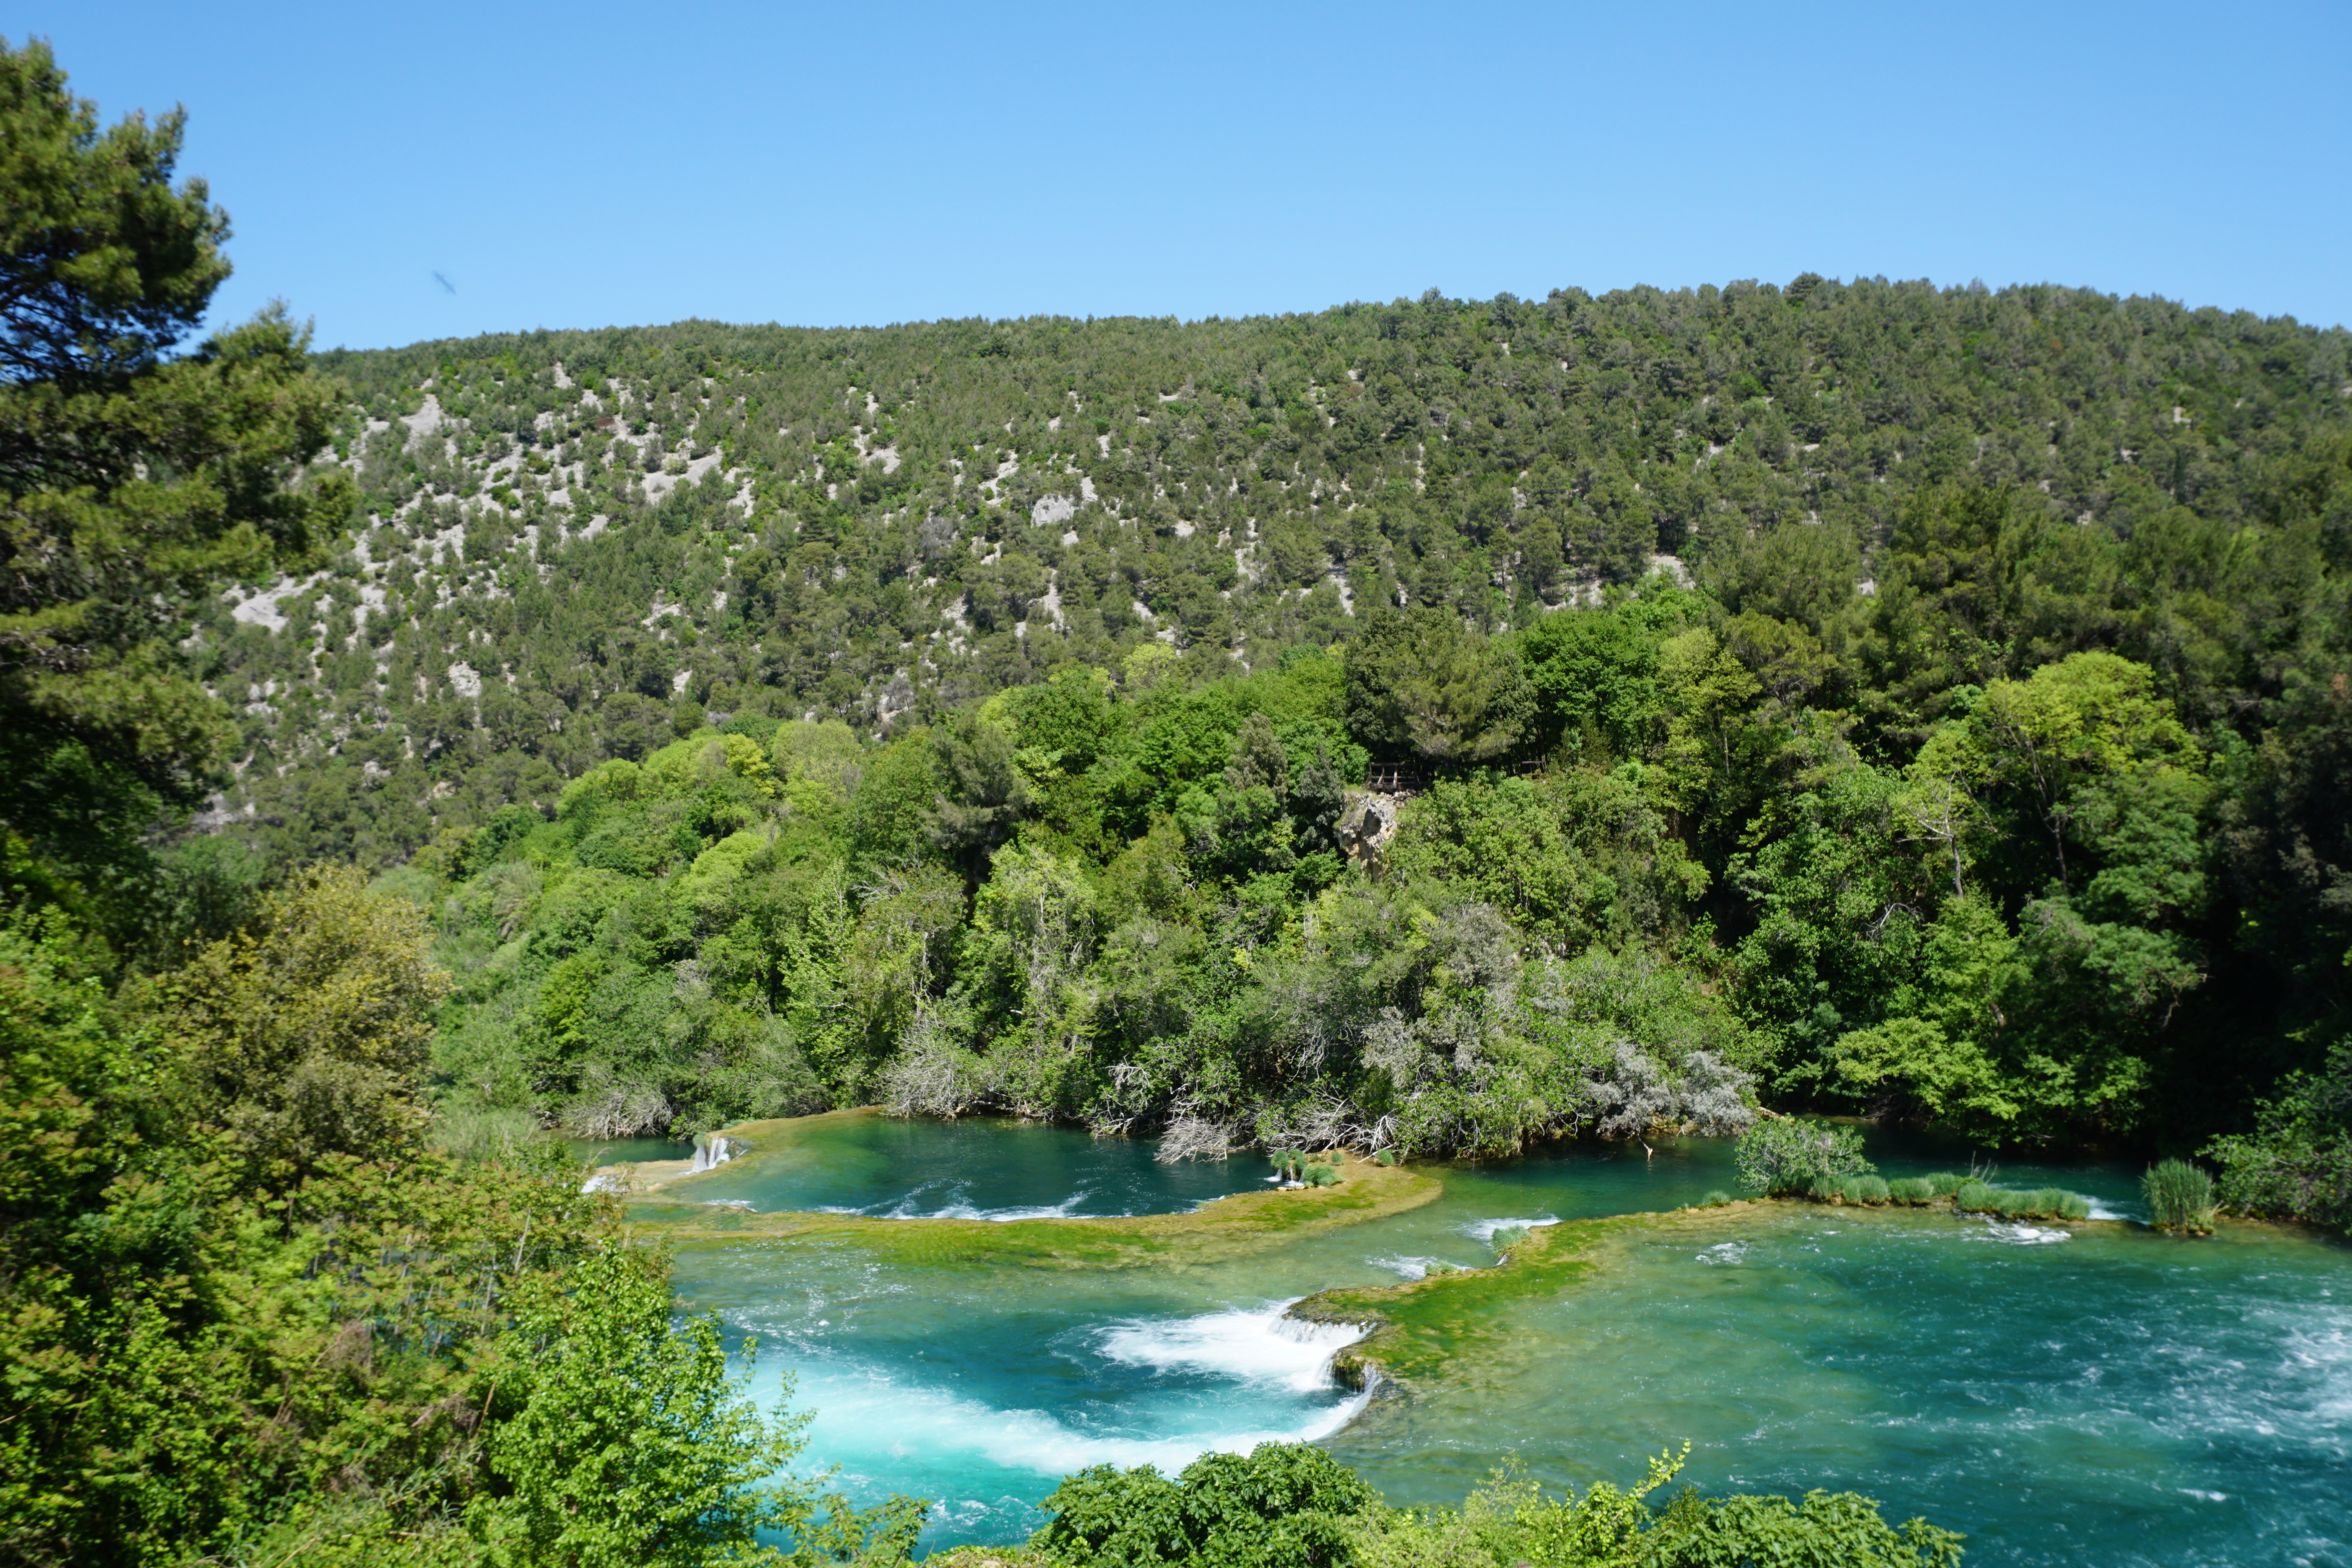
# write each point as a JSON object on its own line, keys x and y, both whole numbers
{"x": 968, "y": 1170}
{"x": 2091, "y": 1393}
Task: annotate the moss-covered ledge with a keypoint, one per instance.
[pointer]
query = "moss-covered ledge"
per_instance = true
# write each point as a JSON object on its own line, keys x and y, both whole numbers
{"x": 1424, "y": 1326}
{"x": 1219, "y": 1230}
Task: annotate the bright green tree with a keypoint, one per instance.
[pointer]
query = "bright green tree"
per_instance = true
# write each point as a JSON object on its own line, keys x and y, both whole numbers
{"x": 631, "y": 1446}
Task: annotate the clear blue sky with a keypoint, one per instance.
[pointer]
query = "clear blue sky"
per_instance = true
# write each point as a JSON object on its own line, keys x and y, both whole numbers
{"x": 588, "y": 164}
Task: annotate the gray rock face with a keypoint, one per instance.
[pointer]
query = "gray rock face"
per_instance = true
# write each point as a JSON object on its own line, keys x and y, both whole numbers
{"x": 1366, "y": 828}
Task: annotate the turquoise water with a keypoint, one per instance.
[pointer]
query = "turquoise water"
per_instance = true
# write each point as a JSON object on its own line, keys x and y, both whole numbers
{"x": 2084, "y": 1393}
{"x": 592, "y": 1152}
{"x": 968, "y": 1170}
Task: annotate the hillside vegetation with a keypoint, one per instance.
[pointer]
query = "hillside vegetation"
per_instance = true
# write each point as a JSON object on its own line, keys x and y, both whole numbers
{"x": 1884, "y": 698}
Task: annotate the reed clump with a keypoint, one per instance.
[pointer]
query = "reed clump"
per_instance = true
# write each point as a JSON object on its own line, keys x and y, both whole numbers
{"x": 1714, "y": 1199}
{"x": 1912, "y": 1190}
{"x": 2179, "y": 1198}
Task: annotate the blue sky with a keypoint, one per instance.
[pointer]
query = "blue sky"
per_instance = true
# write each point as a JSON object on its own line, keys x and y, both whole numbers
{"x": 589, "y": 164}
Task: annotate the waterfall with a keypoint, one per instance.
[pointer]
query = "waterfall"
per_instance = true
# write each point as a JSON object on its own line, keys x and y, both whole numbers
{"x": 712, "y": 1150}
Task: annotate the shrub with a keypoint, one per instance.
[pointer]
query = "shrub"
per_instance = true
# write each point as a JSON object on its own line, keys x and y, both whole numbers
{"x": 2179, "y": 1197}
{"x": 1283, "y": 1505}
{"x": 1913, "y": 1190}
{"x": 2297, "y": 1164}
{"x": 1866, "y": 1189}
{"x": 1785, "y": 1155}
{"x": 1826, "y": 1188}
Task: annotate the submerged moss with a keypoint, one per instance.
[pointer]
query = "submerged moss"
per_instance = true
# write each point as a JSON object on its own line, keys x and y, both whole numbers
{"x": 1429, "y": 1325}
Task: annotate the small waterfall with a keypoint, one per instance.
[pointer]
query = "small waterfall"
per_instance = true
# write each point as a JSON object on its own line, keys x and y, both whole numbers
{"x": 712, "y": 1150}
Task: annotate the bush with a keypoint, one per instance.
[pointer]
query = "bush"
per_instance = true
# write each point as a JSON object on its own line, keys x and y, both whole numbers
{"x": 1826, "y": 1188}
{"x": 1913, "y": 1190}
{"x": 1866, "y": 1189}
{"x": 2298, "y": 1163}
{"x": 1511, "y": 1521}
{"x": 1282, "y": 1505}
{"x": 2179, "y": 1197}
{"x": 1785, "y": 1155}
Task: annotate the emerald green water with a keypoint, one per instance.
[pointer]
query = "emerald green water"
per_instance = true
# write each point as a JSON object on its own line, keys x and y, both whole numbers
{"x": 2084, "y": 1393}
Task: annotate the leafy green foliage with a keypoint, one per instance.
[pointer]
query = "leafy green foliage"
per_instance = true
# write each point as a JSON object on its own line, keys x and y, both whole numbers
{"x": 1510, "y": 1520}
{"x": 1782, "y": 1155}
{"x": 2297, "y": 1162}
{"x": 630, "y": 1445}
{"x": 1282, "y": 1505}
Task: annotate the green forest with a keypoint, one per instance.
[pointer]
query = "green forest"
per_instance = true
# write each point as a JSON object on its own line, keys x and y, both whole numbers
{"x": 1428, "y": 728}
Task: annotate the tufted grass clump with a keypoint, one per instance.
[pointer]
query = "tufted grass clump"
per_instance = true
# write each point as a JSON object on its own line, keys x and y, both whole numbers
{"x": 1870, "y": 1189}
{"x": 1912, "y": 1190}
{"x": 1943, "y": 1184}
{"x": 1714, "y": 1199}
{"x": 1972, "y": 1193}
{"x": 1825, "y": 1188}
{"x": 2179, "y": 1198}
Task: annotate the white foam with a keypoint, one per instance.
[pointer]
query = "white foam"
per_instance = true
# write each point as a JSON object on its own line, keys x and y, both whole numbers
{"x": 911, "y": 1207}
{"x": 876, "y": 1422}
{"x": 1484, "y": 1229}
{"x": 2103, "y": 1211}
{"x": 2204, "y": 1496}
{"x": 1260, "y": 1345}
{"x": 1725, "y": 1252}
{"x": 2018, "y": 1234}
{"x": 1409, "y": 1268}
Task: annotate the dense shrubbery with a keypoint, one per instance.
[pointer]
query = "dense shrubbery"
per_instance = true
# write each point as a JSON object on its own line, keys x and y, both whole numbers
{"x": 773, "y": 918}
{"x": 1291, "y": 1507}
{"x": 1783, "y": 1155}
{"x": 2298, "y": 1163}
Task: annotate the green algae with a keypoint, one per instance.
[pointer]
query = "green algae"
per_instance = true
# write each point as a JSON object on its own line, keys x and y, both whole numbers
{"x": 1449, "y": 1322}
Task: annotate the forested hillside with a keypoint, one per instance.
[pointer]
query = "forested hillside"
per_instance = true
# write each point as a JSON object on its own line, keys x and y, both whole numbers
{"x": 1881, "y": 698}
{"x": 564, "y": 539}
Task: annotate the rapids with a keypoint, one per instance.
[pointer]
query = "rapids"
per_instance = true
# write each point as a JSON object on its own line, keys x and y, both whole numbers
{"x": 2066, "y": 1393}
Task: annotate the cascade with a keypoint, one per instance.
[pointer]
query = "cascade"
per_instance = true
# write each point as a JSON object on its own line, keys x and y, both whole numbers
{"x": 712, "y": 1150}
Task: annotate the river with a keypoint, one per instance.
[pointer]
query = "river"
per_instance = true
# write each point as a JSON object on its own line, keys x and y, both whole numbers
{"x": 2092, "y": 1393}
